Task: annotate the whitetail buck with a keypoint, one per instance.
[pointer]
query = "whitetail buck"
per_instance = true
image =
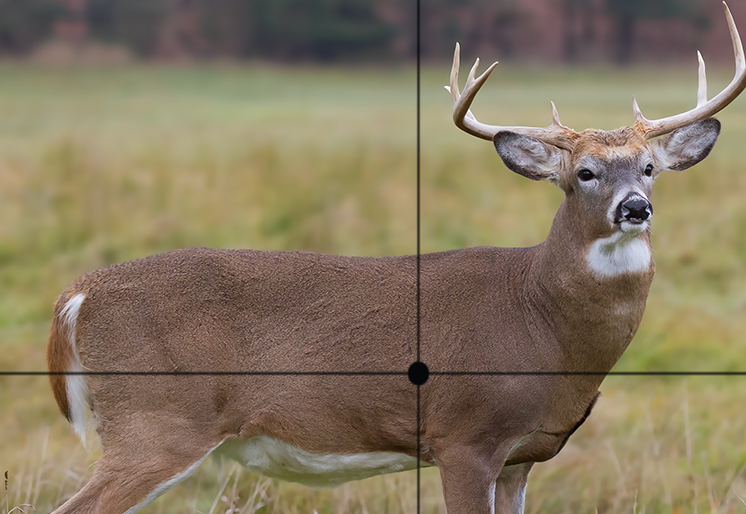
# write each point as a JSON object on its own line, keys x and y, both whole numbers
{"x": 570, "y": 304}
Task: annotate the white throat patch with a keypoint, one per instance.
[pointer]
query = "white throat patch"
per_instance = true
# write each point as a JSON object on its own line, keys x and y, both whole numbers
{"x": 618, "y": 254}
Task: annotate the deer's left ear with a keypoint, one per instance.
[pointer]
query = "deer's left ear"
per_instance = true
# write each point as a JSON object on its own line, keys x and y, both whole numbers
{"x": 685, "y": 147}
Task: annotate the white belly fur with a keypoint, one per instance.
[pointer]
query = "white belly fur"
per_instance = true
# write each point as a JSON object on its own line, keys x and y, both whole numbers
{"x": 276, "y": 459}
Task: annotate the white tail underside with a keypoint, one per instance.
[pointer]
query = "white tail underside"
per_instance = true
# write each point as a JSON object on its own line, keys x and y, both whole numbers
{"x": 75, "y": 385}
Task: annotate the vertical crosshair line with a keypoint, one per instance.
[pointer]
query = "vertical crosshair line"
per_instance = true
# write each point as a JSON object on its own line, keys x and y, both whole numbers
{"x": 418, "y": 449}
{"x": 418, "y": 249}
{"x": 418, "y": 180}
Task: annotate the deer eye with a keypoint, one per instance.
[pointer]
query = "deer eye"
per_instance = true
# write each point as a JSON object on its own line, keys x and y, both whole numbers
{"x": 586, "y": 175}
{"x": 649, "y": 170}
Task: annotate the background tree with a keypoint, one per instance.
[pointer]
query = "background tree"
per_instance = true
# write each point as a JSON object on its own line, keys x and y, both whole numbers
{"x": 322, "y": 30}
{"x": 26, "y": 23}
{"x": 578, "y": 28}
{"x": 134, "y": 23}
{"x": 626, "y": 13}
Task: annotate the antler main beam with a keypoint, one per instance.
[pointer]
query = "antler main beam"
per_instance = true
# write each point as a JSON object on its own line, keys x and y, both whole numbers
{"x": 704, "y": 108}
{"x": 555, "y": 134}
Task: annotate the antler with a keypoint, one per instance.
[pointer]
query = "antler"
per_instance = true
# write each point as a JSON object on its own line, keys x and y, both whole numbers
{"x": 704, "y": 108}
{"x": 555, "y": 134}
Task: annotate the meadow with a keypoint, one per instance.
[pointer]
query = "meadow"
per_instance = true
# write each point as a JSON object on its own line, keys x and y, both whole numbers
{"x": 100, "y": 166}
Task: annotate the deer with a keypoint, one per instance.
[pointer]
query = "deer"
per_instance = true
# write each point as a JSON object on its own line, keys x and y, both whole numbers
{"x": 294, "y": 363}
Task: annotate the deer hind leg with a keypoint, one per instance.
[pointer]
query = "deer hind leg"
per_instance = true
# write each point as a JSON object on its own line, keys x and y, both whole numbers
{"x": 124, "y": 483}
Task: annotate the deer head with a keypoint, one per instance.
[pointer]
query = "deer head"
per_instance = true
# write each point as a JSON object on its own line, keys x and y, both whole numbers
{"x": 607, "y": 176}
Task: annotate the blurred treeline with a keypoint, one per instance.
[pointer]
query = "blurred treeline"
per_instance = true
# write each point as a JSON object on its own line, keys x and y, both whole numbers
{"x": 368, "y": 30}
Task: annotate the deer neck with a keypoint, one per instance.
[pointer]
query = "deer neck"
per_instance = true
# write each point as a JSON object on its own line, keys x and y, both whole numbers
{"x": 593, "y": 314}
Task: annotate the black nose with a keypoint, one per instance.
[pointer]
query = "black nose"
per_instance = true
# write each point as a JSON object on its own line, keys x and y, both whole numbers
{"x": 636, "y": 209}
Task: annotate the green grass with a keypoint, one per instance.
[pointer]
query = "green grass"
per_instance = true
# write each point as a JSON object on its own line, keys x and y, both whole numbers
{"x": 101, "y": 166}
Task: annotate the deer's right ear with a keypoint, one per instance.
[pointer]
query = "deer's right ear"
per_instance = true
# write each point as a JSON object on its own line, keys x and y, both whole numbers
{"x": 528, "y": 156}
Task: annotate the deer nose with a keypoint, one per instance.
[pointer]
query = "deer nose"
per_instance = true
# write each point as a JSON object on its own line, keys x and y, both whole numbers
{"x": 635, "y": 209}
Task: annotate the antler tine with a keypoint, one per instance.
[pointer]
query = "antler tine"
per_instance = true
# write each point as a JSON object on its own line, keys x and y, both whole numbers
{"x": 701, "y": 81}
{"x": 453, "y": 89}
{"x": 639, "y": 118}
{"x": 704, "y": 108}
{"x": 737, "y": 45}
{"x": 556, "y": 134}
{"x": 555, "y": 116}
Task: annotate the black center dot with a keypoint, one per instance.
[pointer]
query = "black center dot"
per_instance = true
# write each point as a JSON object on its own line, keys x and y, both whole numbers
{"x": 418, "y": 373}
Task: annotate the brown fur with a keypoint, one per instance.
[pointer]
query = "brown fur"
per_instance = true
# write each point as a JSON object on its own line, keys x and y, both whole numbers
{"x": 601, "y": 143}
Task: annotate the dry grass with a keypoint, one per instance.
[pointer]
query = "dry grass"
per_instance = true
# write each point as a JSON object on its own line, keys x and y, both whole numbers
{"x": 104, "y": 166}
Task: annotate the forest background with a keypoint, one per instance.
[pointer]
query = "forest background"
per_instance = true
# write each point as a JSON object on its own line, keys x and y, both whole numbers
{"x": 567, "y": 31}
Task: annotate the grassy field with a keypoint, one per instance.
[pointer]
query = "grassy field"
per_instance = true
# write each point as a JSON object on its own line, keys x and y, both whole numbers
{"x": 102, "y": 166}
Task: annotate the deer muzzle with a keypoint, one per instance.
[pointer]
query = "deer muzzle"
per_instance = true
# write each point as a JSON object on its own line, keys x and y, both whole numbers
{"x": 634, "y": 208}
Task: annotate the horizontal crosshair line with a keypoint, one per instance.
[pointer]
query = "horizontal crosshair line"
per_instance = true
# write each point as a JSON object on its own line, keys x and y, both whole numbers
{"x": 207, "y": 373}
{"x": 589, "y": 373}
{"x": 381, "y": 373}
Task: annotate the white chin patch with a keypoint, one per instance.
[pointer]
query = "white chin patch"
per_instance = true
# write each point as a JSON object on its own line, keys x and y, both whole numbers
{"x": 621, "y": 253}
{"x": 631, "y": 229}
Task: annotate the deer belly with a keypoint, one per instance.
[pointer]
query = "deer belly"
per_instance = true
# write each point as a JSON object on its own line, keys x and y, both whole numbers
{"x": 273, "y": 458}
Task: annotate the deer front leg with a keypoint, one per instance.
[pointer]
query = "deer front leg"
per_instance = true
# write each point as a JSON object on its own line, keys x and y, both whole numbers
{"x": 510, "y": 488}
{"x": 469, "y": 480}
